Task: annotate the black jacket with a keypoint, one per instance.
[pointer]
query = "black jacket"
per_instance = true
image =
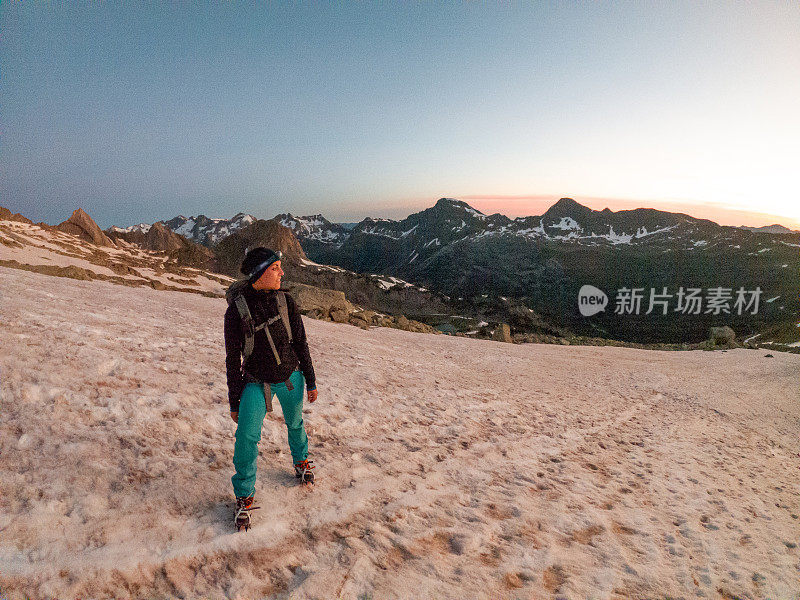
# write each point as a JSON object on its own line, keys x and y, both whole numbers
{"x": 261, "y": 365}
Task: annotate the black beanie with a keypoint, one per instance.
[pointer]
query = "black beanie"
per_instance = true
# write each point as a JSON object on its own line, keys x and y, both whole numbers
{"x": 256, "y": 262}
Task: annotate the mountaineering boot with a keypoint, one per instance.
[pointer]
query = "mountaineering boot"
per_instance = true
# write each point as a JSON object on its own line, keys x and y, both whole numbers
{"x": 302, "y": 471}
{"x": 243, "y": 507}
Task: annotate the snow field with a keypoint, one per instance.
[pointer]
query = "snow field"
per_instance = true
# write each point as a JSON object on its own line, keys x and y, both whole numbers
{"x": 447, "y": 467}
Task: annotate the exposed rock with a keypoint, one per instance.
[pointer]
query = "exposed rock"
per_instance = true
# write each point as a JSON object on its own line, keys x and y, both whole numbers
{"x": 363, "y": 289}
{"x": 502, "y": 333}
{"x": 339, "y": 316}
{"x": 122, "y": 269}
{"x": 324, "y": 302}
{"x": 70, "y": 271}
{"x": 369, "y": 316}
{"x": 722, "y": 335}
{"x": 159, "y": 238}
{"x": 332, "y": 305}
{"x": 406, "y": 324}
{"x": 7, "y": 215}
{"x": 81, "y": 225}
{"x": 231, "y": 250}
{"x": 384, "y": 321}
{"x": 180, "y": 250}
{"x": 193, "y": 255}
{"x": 359, "y": 321}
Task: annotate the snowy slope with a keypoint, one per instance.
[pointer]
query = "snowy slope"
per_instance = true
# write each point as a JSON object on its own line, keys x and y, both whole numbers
{"x": 314, "y": 228}
{"x": 45, "y": 249}
{"x": 448, "y": 467}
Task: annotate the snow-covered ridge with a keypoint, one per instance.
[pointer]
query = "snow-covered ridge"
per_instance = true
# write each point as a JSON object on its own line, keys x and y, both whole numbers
{"x": 463, "y": 206}
{"x": 382, "y": 232}
{"x": 574, "y": 232}
{"x": 200, "y": 229}
{"x": 141, "y": 228}
{"x": 315, "y": 227}
{"x": 52, "y": 251}
{"x": 571, "y": 231}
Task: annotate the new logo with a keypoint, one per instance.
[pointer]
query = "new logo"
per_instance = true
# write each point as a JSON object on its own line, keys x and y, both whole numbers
{"x": 591, "y": 300}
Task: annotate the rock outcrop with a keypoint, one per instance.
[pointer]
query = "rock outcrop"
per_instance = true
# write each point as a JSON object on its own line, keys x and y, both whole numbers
{"x": 722, "y": 336}
{"x": 159, "y": 238}
{"x": 193, "y": 255}
{"x": 318, "y": 302}
{"x": 332, "y": 305}
{"x": 503, "y": 334}
{"x": 180, "y": 251}
{"x": 7, "y": 215}
{"x": 81, "y": 225}
{"x": 363, "y": 289}
{"x": 231, "y": 250}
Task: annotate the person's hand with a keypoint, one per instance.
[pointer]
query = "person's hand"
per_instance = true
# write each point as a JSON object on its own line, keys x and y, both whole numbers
{"x": 312, "y": 395}
{"x": 235, "y": 416}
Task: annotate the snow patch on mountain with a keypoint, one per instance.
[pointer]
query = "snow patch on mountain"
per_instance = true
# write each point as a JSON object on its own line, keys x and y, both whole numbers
{"x": 382, "y": 232}
{"x": 567, "y": 223}
{"x": 208, "y": 231}
{"x": 141, "y": 227}
{"x": 387, "y": 282}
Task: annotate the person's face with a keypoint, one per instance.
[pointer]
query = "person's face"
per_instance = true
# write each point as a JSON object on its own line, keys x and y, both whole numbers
{"x": 271, "y": 278}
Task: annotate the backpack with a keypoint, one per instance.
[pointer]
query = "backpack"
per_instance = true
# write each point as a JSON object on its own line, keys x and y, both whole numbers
{"x": 234, "y": 296}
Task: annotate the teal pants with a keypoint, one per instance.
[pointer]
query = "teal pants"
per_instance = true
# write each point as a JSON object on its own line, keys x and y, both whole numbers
{"x": 252, "y": 410}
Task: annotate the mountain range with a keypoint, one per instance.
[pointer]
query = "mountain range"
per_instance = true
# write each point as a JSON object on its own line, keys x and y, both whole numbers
{"x": 452, "y": 267}
{"x": 157, "y": 257}
{"x": 488, "y": 265}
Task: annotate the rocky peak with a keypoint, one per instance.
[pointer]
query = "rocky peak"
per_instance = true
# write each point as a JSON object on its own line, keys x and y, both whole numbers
{"x": 314, "y": 229}
{"x": 176, "y": 222}
{"x": 441, "y": 202}
{"x": 242, "y": 218}
{"x": 459, "y": 205}
{"x": 81, "y": 225}
{"x": 161, "y": 238}
{"x": 7, "y": 215}
{"x": 271, "y": 234}
{"x": 567, "y": 207}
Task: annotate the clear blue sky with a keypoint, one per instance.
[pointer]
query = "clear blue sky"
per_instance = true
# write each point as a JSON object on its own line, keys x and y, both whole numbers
{"x": 142, "y": 111}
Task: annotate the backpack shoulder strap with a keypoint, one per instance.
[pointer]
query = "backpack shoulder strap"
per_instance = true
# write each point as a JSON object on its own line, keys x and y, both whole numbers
{"x": 283, "y": 310}
{"x": 248, "y": 327}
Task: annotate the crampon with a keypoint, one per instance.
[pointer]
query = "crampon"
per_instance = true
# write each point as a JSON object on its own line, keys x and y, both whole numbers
{"x": 242, "y": 517}
{"x": 303, "y": 472}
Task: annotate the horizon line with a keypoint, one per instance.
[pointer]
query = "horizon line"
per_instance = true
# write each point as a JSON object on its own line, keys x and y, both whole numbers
{"x": 699, "y": 210}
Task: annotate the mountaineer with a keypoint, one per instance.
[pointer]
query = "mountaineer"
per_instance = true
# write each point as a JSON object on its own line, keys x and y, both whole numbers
{"x": 266, "y": 354}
